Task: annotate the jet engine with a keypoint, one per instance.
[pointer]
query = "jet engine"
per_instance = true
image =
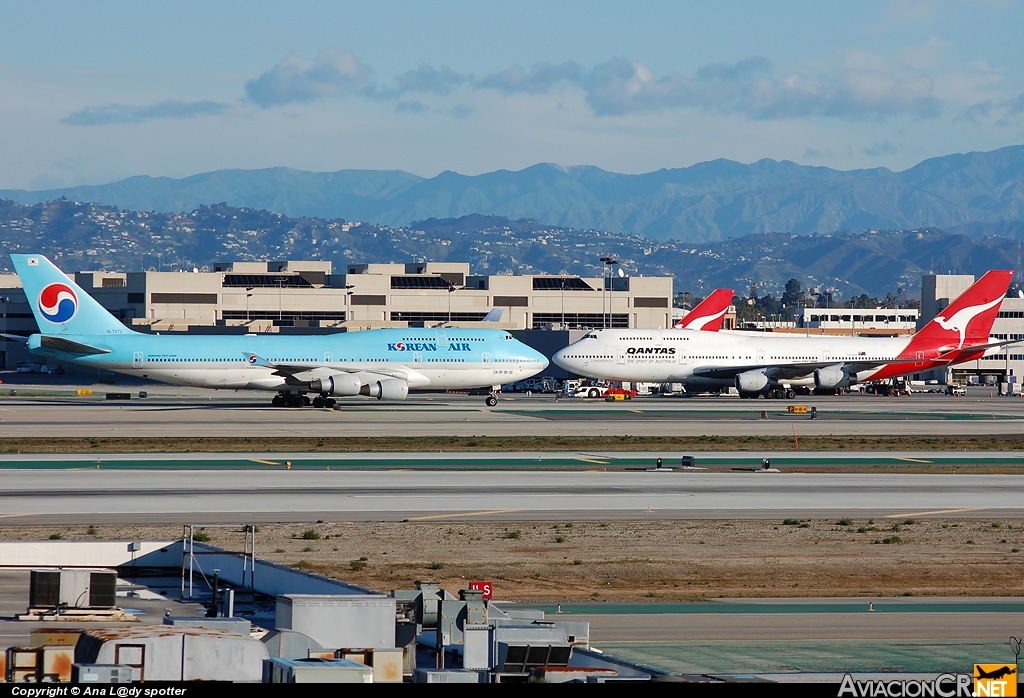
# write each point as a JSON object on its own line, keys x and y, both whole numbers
{"x": 834, "y": 377}
{"x": 751, "y": 381}
{"x": 344, "y": 384}
{"x": 386, "y": 389}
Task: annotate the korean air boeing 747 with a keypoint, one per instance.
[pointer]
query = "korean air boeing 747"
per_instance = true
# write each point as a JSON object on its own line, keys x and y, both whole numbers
{"x": 770, "y": 365}
{"x": 383, "y": 364}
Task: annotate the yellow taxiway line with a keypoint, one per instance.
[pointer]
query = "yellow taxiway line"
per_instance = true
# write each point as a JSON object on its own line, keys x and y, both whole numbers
{"x": 929, "y": 513}
{"x": 463, "y": 514}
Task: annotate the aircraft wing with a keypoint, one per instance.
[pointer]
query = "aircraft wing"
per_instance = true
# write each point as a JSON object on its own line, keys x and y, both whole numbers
{"x": 307, "y": 373}
{"x": 798, "y": 369}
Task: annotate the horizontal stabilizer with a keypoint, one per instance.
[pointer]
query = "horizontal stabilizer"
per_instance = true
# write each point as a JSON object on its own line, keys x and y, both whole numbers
{"x": 49, "y": 341}
{"x": 953, "y": 354}
{"x": 14, "y": 338}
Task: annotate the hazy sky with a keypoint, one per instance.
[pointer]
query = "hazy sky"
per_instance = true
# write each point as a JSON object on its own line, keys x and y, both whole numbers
{"x": 92, "y": 92}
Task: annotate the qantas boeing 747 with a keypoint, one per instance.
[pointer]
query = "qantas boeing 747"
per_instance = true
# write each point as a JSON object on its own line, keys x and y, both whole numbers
{"x": 771, "y": 365}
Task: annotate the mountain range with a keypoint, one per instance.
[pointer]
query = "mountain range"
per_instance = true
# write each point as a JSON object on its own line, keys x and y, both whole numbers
{"x": 711, "y": 201}
{"x": 85, "y": 236}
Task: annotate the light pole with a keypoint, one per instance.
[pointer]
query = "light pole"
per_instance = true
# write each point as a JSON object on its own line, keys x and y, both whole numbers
{"x": 7, "y": 307}
{"x": 608, "y": 262}
{"x": 280, "y": 286}
{"x": 248, "y": 295}
{"x": 561, "y": 286}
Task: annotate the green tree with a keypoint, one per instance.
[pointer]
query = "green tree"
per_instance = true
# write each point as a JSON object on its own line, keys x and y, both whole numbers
{"x": 793, "y": 295}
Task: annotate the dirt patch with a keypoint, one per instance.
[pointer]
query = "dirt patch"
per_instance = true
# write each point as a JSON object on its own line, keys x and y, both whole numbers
{"x": 1002, "y": 442}
{"x": 636, "y": 561}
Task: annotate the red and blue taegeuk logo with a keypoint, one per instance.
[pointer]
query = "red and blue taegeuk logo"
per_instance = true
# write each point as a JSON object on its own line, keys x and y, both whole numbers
{"x": 58, "y": 303}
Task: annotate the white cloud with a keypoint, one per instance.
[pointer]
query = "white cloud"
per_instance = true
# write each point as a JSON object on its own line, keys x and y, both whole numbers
{"x": 296, "y": 79}
{"x": 749, "y": 88}
{"x": 428, "y": 79}
{"x": 133, "y": 114}
{"x": 539, "y": 79}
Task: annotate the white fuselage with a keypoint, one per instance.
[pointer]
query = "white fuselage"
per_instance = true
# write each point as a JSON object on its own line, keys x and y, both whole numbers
{"x": 680, "y": 356}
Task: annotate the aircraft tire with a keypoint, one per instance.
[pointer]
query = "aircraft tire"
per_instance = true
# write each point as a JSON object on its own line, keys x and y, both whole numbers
{"x": 790, "y": 394}
{"x": 278, "y": 401}
{"x": 491, "y": 401}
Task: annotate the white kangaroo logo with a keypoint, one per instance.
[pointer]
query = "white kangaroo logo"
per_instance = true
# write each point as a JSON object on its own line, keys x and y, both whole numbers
{"x": 962, "y": 318}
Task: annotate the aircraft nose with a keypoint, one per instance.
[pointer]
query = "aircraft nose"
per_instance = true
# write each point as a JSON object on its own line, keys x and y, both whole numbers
{"x": 560, "y": 360}
{"x": 540, "y": 359}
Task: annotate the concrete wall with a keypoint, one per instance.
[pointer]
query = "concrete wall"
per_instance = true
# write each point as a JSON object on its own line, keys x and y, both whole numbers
{"x": 67, "y": 553}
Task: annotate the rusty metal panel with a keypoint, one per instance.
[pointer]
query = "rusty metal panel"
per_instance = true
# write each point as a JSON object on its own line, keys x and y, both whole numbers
{"x": 57, "y": 662}
{"x": 41, "y": 637}
{"x": 388, "y": 665}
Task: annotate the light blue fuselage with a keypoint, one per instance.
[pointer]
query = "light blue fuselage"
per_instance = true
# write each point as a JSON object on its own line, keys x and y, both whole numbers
{"x": 423, "y": 358}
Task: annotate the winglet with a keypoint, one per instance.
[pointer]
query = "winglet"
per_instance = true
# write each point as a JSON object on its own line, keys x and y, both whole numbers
{"x": 494, "y": 315}
{"x": 256, "y": 360}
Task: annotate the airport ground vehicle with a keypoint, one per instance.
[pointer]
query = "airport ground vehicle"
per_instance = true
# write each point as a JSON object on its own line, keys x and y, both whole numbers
{"x": 956, "y": 390}
{"x": 892, "y": 387}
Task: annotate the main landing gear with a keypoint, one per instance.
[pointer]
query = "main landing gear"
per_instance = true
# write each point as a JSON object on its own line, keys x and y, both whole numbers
{"x": 777, "y": 393}
{"x": 297, "y": 400}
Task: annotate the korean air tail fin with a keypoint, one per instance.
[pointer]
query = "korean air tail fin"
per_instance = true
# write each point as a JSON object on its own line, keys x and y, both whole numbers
{"x": 59, "y": 305}
{"x": 709, "y": 313}
{"x": 966, "y": 322}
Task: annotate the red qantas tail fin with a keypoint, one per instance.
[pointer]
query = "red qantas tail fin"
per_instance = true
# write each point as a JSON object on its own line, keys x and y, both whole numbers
{"x": 964, "y": 323}
{"x": 709, "y": 313}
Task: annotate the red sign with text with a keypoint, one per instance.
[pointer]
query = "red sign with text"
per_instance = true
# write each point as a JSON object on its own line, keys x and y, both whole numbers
{"x": 486, "y": 587}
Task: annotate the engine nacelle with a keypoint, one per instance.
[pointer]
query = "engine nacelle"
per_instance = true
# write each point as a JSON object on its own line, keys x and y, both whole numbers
{"x": 751, "y": 381}
{"x": 834, "y": 377}
{"x": 386, "y": 389}
{"x": 344, "y": 384}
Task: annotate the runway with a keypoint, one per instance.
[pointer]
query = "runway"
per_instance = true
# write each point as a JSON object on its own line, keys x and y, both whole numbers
{"x": 265, "y": 487}
{"x": 199, "y": 413}
{"x": 225, "y": 496}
